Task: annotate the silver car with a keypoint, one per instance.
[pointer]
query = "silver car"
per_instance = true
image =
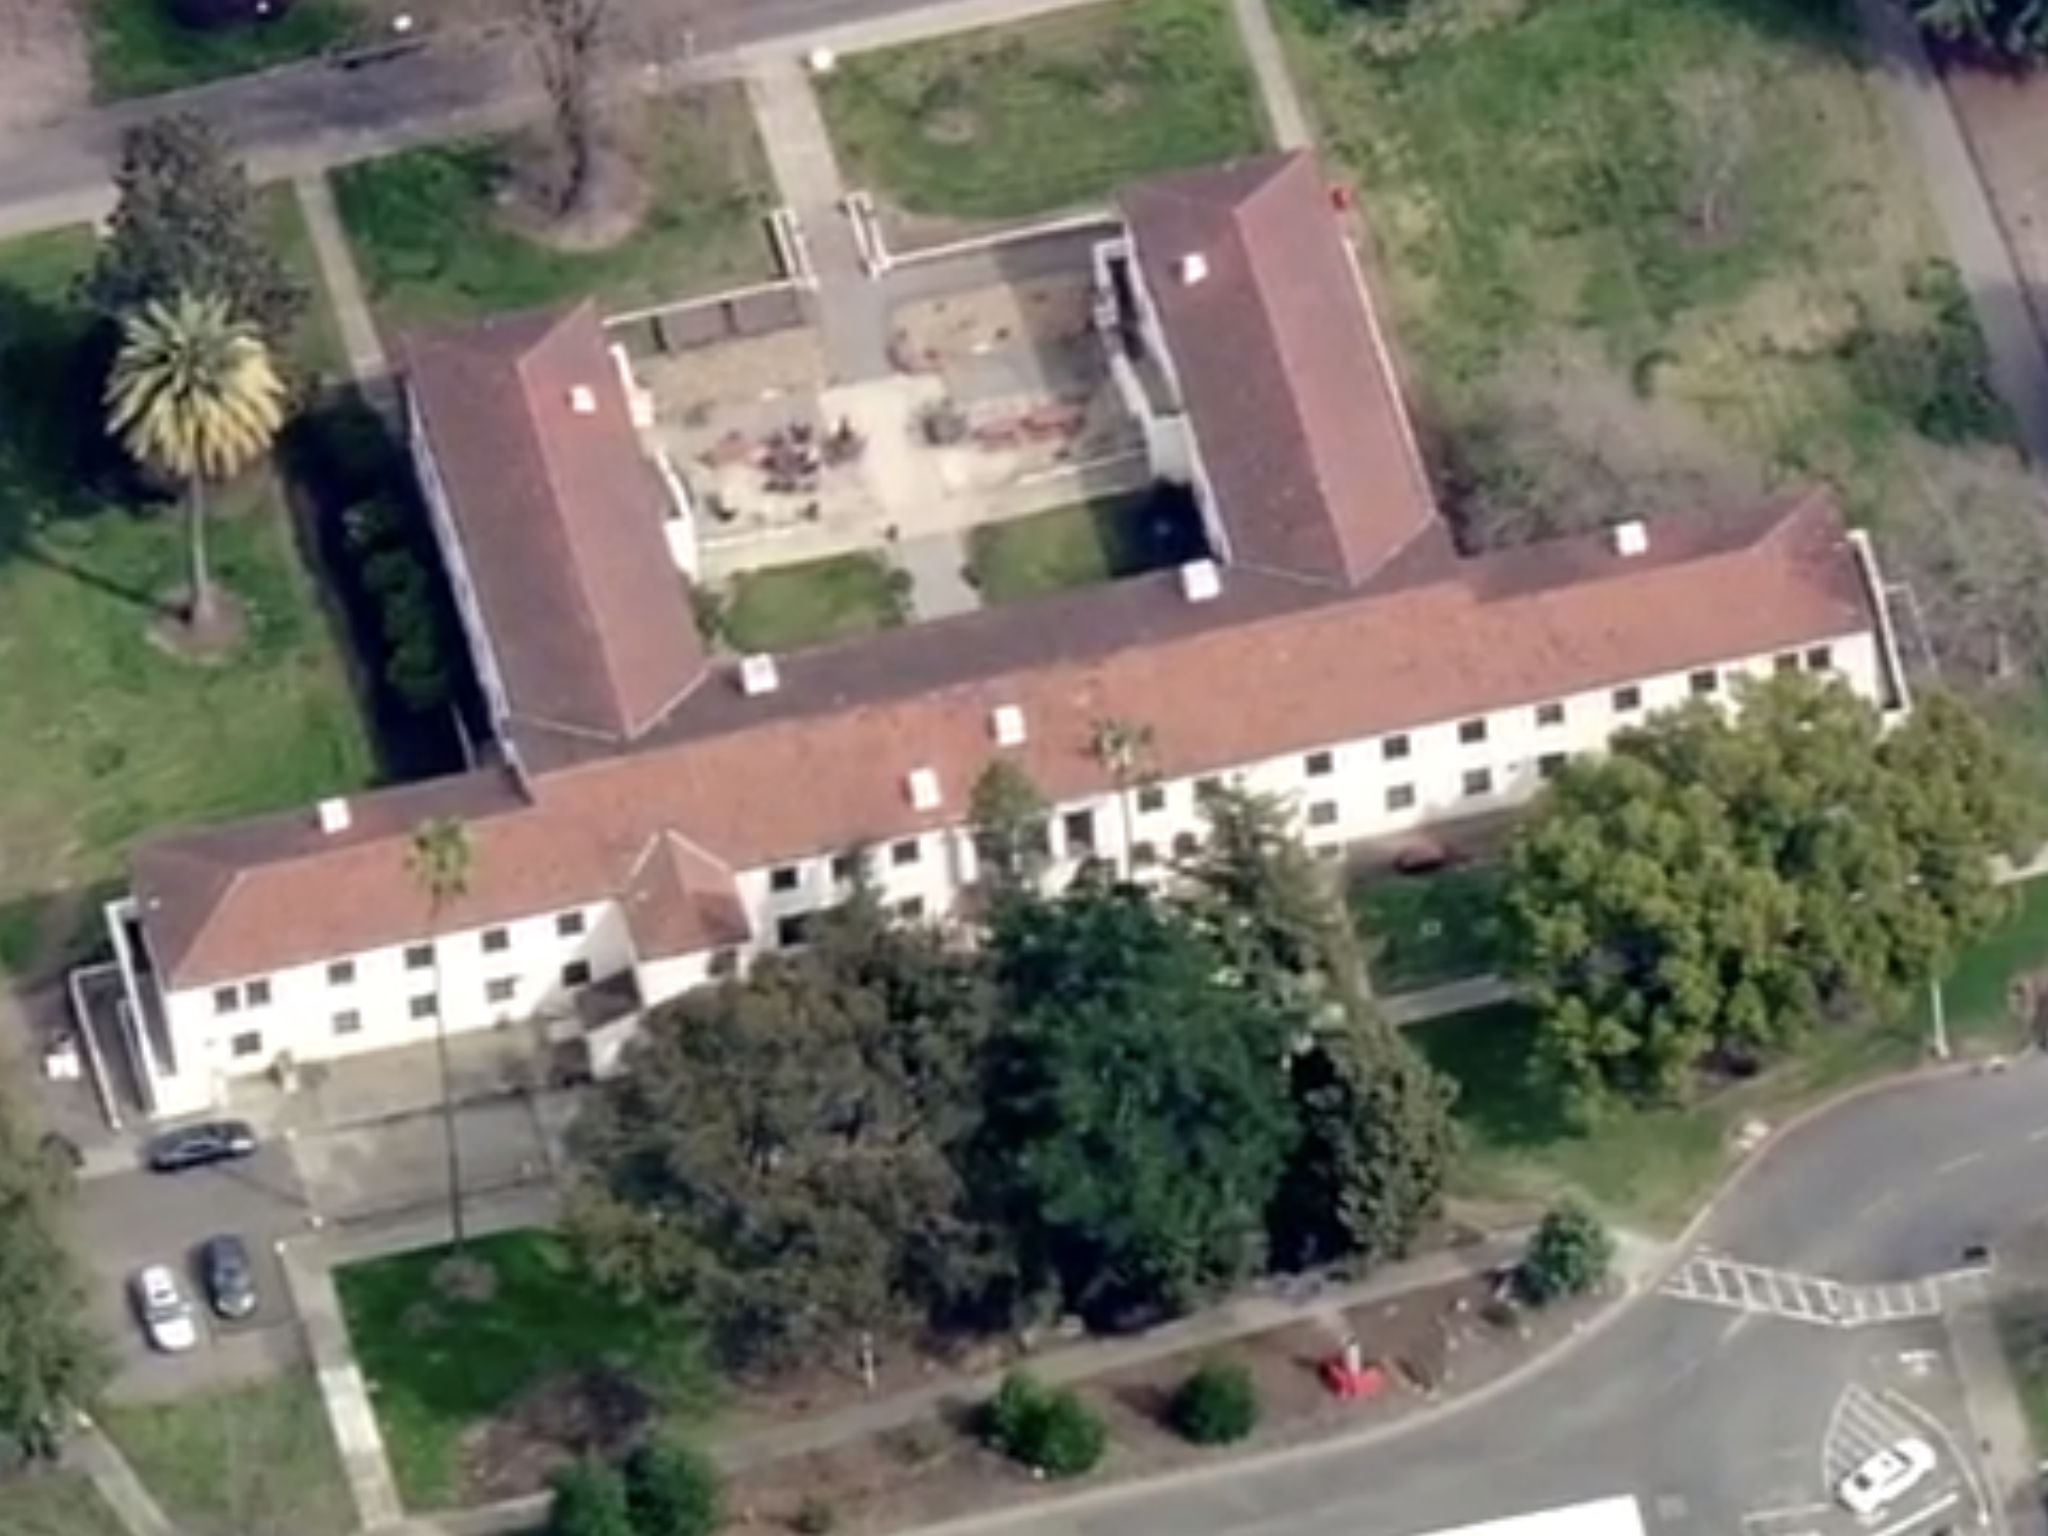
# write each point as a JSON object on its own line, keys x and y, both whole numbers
{"x": 165, "y": 1313}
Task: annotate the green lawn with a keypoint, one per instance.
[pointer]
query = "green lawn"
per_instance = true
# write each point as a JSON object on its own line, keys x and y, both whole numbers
{"x": 787, "y": 607}
{"x": 1975, "y": 993}
{"x": 1048, "y": 114}
{"x": 1425, "y": 929}
{"x": 318, "y": 353}
{"x": 54, "y": 1504}
{"x": 2023, "y": 1329}
{"x": 1650, "y": 253}
{"x": 1081, "y": 545}
{"x": 440, "y": 1360}
{"x": 105, "y": 735}
{"x": 137, "y": 50}
{"x": 252, "y": 1458}
{"x": 432, "y": 239}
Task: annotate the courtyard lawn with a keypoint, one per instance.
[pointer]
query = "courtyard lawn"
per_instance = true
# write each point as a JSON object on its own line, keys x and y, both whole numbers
{"x": 136, "y": 49}
{"x": 1422, "y": 930}
{"x": 2022, "y": 1318}
{"x": 54, "y": 1504}
{"x": 447, "y": 1351}
{"x": 1976, "y": 994}
{"x": 1053, "y": 113}
{"x": 433, "y": 242}
{"x": 106, "y": 736}
{"x": 1083, "y": 544}
{"x": 1654, "y": 254}
{"x": 320, "y": 357}
{"x": 258, "y": 1457}
{"x": 787, "y": 607}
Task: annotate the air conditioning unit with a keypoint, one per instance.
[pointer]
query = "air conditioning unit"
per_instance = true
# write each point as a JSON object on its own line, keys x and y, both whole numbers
{"x": 334, "y": 816}
{"x": 583, "y": 400}
{"x": 1631, "y": 539}
{"x": 1193, "y": 268}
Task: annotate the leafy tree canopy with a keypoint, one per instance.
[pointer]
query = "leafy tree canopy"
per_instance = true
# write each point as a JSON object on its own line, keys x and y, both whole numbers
{"x": 1570, "y": 1254}
{"x": 1720, "y": 882}
{"x": 186, "y": 222}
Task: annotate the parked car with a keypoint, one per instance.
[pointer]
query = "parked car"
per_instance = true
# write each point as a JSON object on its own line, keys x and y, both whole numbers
{"x": 166, "y": 1314}
{"x": 197, "y": 1146}
{"x": 228, "y": 1275}
{"x": 1885, "y": 1477}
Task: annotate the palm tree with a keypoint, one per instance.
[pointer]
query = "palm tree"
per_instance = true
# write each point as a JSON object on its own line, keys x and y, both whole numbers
{"x": 1124, "y": 748}
{"x": 439, "y": 861}
{"x": 195, "y": 395}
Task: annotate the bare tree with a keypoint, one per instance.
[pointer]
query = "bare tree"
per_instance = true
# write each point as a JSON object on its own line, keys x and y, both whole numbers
{"x": 573, "y": 43}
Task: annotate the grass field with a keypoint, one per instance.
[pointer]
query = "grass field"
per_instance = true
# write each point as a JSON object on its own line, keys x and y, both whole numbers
{"x": 787, "y": 607}
{"x": 433, "y": 241}
{"x": 1425, "y": 929}
{"x": 318, "y": 353}
{"x": 439, "y": 1363}
{"x": 136, "y": 49}
{"x": 252, "y": 1458}
{"x": 54, "y": 1504}
{"x": 1048, "y": 114}
{"x": 1650, "y": 254}
{"x": 1081, "y": 545}
{"x": 103, "y": 736}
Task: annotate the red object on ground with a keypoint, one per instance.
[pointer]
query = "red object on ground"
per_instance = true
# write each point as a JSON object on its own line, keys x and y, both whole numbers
{"x": 1353, "y": 1384}
{"x": 1340, "y": 199}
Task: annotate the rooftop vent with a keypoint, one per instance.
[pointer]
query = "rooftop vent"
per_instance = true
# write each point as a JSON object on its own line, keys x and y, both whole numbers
{"x": 1007, "y": 725}
{"x": 334, "y": 816}
{"x": 924, "y": 789}
{"x": 1630, "y": 539}
{"x": 583, "y": 400}
{"x": 758, "y": 676}
{"x": 1193, "y": 268}
{"x": 1200, "y": 580}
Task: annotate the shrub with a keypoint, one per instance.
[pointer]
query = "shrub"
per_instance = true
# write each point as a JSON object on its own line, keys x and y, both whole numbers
{"x": 1048, "y": 1429}
{"x": 590, "y": 1500}
{"x": 813, "y": 1517}
{"x": 672, "y": 1490}
{"x": 1216, "y": 1405}
{"x": 1569, "y": 1255}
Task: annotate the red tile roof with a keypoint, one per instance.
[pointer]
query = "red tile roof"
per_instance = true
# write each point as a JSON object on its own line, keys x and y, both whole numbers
{"x": 1291, "y": 391}
{"x": 560, "y": 520}
{"x": 681, "y": 901}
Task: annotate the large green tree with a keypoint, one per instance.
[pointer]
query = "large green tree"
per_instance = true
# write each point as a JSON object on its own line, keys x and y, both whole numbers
{"x": 1011, "y": 822}
{"x": 186, "y": 222}
{"x": 1720, "y": 882}
{"x": 778, "y": 1160}
{"x": 1136, "y": 1115}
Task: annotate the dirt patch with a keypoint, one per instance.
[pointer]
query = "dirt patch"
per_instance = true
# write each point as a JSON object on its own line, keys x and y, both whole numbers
{"x": 174, "y": 633}
{"x": 617, "y": 204}
{"x": 589, "y": 1413}
{"x": 44, "y": 75}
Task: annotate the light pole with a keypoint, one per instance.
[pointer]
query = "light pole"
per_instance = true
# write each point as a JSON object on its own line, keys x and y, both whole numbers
{"x": 1937, "y": 1020}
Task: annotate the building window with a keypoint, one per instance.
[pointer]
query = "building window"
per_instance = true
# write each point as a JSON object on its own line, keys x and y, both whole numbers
{"x": 910, "y": 909}
{"x": 1550, "y": 764}
{"x": 419, "y": 957}
{"x": 1144, "y": 855}
{"x": 1478, "y": 781}
{"x": 257, "y": 993}
{"x": 1785, "y": 661}
{"x": 1319, "y": 765}
{"x": 248, "y": 1043}
{"x": 1628, "y": 700}
{"x": 784, "y": 879}
{"x": 1150, "y": 799}
{"x": 723, "y": 962}
{"x": 576, "y": 974}
{"x": 1394, "y": 749}
{"x": 1401, "y": 798}
{"x": 1549, "y": 715}
{"x": 500, "y": 989}
{"x": 1207, "y": 786}
{"x": 1703, "y": 684}
{"x": 347, "y": 1022}
{"x": 1471, "y": 732}
{"x": 425, "y": 1006}
{"x": 906, "y": 852}
{"x": 568, "y": 924}
{"x": 1186, "y": 845}
{"x": 793, "y": 930}
{"x": 341, "y": 973}
{"x": 496, "y": 941}
{"x": 227, "y": 999}
{"x": 845, "y": 868}
{"x": 1322, "y": 813}
{"x": 1078, "y": 828}
{"x": 1819, "y": 658}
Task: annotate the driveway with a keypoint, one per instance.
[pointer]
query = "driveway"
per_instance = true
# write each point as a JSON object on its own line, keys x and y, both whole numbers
{"x": 126, "y": 1220}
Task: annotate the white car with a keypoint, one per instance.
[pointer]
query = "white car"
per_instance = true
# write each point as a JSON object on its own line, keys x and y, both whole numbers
{"x": 1885, "y": 1477}
{"x": 166, "y": 1314}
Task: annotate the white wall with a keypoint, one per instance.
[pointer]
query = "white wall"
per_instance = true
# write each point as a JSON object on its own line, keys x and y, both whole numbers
{"x": 456, "y": 563}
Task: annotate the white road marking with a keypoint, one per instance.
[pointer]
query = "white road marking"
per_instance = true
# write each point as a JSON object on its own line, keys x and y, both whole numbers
{"x": 1947, "y": 1501}
{"x": 1955, "y": 1163}
{"x": 1965, "y": 1467}
{"x": 1789, "y": 1512}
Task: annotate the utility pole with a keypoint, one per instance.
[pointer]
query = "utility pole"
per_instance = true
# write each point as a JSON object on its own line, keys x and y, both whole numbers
{"x": 1937, "y": 1020}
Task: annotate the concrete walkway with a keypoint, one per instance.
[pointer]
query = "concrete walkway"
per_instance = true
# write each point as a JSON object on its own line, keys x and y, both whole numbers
{"x": 936, "y": 564}
{"x": 357, "y": 1437}
{"x": 135, "y": 1508}
{"x": 1284, "y": 111}
{"x": 1998, "y": 1423}
{"x": 362, "y": 347}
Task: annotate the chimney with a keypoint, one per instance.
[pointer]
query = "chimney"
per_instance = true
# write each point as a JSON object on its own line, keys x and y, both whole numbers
{"x": 1193, "y": 268}
{"x": 334, "y": 816}
{"x": 583, "y": 400}
{"x": 758, "y": 676}
{"x": 1007, "y": 725}
{"x": 1200, "y": 580}
{"x": 1630, "y": 539}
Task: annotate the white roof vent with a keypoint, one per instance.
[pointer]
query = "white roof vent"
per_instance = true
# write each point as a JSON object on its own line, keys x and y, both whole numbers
{"x": 924, "y": 789}
{"x": 334, "y": 816}
{"x": 1193, "y": 268}
{"x": 1200, "y": 580}
{"x": 758, "y": 676}
{"x": 1630, "y": 539}
{"x": 1007, "y": 725}
{"x": 583, "y": 400}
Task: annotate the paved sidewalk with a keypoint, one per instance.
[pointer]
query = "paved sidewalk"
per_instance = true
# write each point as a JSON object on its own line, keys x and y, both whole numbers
{"x": 936, "y": 564}
{"x": 134, "y": 1506}
{"x": 362, "y": 347}
{"x": 1284, "y": 111}
{"x": 2005, "y": 1441}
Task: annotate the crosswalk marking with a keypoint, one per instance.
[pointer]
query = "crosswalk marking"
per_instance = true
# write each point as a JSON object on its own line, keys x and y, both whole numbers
{"x": 1717, "y": 1281}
